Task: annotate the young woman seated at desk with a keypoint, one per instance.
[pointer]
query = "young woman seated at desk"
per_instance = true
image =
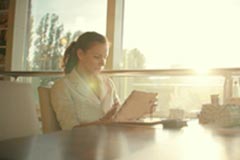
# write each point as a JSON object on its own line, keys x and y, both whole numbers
{"x": 84, "y": 95}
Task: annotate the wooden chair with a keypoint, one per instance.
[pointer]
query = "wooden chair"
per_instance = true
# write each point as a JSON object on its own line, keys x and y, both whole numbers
{"x": 18, "y": 115}
{"x": 48, "y": 116}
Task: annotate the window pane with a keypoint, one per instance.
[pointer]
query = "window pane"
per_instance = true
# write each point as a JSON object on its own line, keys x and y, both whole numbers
{"x": 182, "y": 34}
{"x": 55, "y": 23}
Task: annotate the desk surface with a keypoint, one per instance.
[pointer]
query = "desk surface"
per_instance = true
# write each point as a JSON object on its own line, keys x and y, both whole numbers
{"x": 105, "y": 142}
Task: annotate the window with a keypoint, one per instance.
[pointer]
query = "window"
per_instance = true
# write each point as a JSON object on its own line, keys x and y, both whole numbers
{"x": 155, "y": 35}
{"x": 182, "y": 34}
{"x": 56, "y": 23}
{"x": 51, "y": 26}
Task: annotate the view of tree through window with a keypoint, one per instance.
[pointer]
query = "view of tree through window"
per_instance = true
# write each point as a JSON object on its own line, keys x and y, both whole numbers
{"x": 55, "y": 24}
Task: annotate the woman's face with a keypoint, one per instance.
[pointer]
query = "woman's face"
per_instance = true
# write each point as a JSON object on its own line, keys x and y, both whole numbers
{"x": 93, "y": 60}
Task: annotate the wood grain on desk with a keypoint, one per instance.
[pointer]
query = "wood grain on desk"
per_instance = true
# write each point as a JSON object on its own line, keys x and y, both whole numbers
{"x": 107, "y": 142}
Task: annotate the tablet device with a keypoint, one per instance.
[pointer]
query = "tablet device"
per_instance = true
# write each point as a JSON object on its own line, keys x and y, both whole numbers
{"x": 136, "y": 105}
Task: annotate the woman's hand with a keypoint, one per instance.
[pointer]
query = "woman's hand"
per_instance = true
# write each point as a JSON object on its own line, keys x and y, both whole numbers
{"x": 153, "y": 104}
{"x": 107, "y": 118}
{"x": 110, "y": 114}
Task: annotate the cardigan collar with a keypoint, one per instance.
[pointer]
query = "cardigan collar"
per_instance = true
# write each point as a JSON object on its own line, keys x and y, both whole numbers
{"x": 81, "y": 86}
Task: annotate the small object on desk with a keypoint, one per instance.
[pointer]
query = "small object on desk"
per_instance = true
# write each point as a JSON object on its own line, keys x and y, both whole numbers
{"x": 173, "y": 123}
{"x": 176, "y": 113}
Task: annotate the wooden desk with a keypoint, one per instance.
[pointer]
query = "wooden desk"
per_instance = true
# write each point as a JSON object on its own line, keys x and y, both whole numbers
{"x": 107, "y": 142}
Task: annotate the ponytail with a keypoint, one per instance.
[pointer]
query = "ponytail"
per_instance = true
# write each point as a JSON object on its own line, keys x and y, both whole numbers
{"x": 70, "y": 58}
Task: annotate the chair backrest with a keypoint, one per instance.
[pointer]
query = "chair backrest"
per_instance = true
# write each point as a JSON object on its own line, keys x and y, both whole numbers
{"x": 18, "y": 115}
{"x": 48, "y": 116}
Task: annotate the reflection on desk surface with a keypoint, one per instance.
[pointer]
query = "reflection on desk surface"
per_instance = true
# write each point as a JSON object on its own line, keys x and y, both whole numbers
{"x": 112, "y": 141}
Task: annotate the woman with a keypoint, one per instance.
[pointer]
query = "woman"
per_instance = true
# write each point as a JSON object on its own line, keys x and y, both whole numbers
{"x": 83, "y": 95}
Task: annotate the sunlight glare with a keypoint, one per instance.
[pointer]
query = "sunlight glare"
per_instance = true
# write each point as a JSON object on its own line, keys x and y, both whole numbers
{"x": 182, "y": 34}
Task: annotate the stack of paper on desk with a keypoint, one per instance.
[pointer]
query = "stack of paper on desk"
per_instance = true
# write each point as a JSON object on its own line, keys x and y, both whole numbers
{"x": 222, "y": 115}
{"x": 229, "y": 116}
{"x": 135, "y": 106}
{"x": 208, "y": 113}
